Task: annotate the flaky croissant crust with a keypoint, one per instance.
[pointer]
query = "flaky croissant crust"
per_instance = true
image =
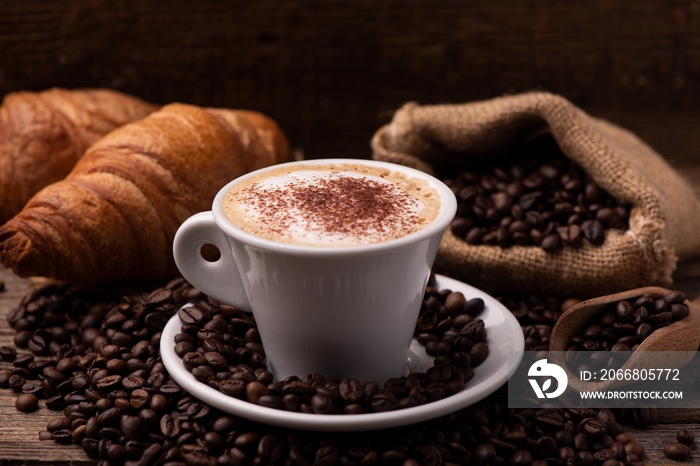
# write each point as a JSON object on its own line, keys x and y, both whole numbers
{"x": 113, "y": 218}
{"x": 43, "y": 135}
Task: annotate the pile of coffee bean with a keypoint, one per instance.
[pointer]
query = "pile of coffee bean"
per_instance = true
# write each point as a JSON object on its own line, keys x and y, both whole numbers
{"x": 624, "y": 325}
{"x": 535, "y": 196}
{"x": 100, "y": 370}
{"x": 537, "y": 316}
{"x": 220, "y": 345}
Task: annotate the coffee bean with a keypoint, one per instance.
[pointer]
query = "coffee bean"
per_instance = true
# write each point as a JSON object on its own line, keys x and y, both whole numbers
{"x": 640, "y": 315}
{"x": 685, "y": 436}
{"x": 322, "y": 404}
{"x": 212, "y": 353}
{"x": 63, "y": 436}
{"x": 27, "y": 402}
{"x": 351, "y": 390}
{"x": 23, "y": 360}
{"x": 484, "y": 453}
{"x": 485, "y": 206}
{"x": 678, "y": 311}
{"x": 634, "y": 448}
{"x": 193, "y": 315}
{"x": 16, "y": 382}
{"x": 551, "y": 242}
{"x": 108, "y": 383}
{"x": 677, "y": 451}
{"x": 124, "y": 425}
{"x": 8, "y": 353}
{"x": 455, "y": 302}
{"x": 198, "y": 411}
{"x": 644, "y": 330}
{"x": 193, "y": 359}
{"x": 461, "y": 226}
{"x": 159, "y": 296}
{"x": 170, "y": 425}
{"x": 478, "y": 353}
{"x": 155, "y": 321}
{"x": 625, "y": 324}
{"x": 254, "y": 390}
{"x": 426, "y": 321}
{"x": 183, "y": 347}
{"x": 661, "y": 319}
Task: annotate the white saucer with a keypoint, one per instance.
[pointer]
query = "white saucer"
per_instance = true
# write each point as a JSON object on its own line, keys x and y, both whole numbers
{"x": 504, "y": 336}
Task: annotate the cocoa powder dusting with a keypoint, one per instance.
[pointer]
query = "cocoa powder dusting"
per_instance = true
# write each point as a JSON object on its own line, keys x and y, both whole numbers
{"x": 359, "y": 209}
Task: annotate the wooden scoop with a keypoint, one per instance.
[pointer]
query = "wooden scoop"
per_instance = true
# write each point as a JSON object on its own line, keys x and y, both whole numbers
{"x": 682, "y": 335}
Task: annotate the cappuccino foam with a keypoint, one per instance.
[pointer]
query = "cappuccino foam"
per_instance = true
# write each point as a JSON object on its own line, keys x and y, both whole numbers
{"x": 331, "y": 204}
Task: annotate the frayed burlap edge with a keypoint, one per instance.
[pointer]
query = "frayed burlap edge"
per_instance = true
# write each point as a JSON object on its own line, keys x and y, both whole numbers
{"x": 623, "y": 165}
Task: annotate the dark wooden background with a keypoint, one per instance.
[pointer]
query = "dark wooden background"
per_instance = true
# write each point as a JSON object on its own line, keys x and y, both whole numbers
{"x": 332, "y": 72}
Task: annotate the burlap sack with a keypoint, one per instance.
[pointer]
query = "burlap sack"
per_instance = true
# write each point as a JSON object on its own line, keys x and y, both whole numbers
{"x": 665, "y": 215}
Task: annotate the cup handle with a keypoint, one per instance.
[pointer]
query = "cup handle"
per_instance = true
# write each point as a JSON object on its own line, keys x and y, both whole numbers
{"x": 219, "y": 279}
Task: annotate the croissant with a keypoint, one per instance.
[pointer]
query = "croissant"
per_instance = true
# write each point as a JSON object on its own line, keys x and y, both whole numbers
{"x": 114, "y": 217}
{"x": 43, "y": 134}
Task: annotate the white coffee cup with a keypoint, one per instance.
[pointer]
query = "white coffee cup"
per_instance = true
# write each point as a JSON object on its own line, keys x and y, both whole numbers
{"x": 343, "y": 312}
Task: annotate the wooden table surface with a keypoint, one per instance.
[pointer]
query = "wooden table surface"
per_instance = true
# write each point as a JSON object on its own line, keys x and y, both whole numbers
{"x": 19, "y": 432}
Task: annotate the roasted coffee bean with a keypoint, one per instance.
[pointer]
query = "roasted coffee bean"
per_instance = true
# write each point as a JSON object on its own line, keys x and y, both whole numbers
{"x": 322, "y": 404}
{"x": 484, "y": 453}
{"x": 545, "y": 446}
{"x": 546, "y": 193}
{"x": 661, "y": 319}
{"x": 634, "y": 448}
{"x": 55, "y": 402}
{"x": 63, "y": 436}
{"x": 193, "y": 315}
{"x": 184, "y": 347}
{"x": 159, "y": 296}
{"x": 677, "y": 451}
{"x": 212, "y": 361}
{"x": 27, "y": 402}
{"x": 108, "y": 383}
{"x": 685, "y": 436}
{"x": 198, "y": 410}
{"x": 139, "y": 398}
{"x": 170, "y": 425}
{"x": 8, "y": 353}
{"x": 125, "y": 425}
{"x": 109, "y": 417}
{"x": 58, "y": 423}
{"x": 427, "y": 321}
{"x": 5, "y": 375}
{"x": 16, "y": 382}
{"x": 216, "y": 361}
{"x": 678, "y": 311}
{"x": 625, "y": 324}
{"x": 455, "y": 303}
{"x": 351, "y": 390}
{"x": 193, "y": 359}
{"x": 675, "y": 297}
{"x": 254, "y": 390}
{"x": 550, "y": 418}
{"x": 23, "y": 360}
{"x": 478, "y": 353}
{"x": 551, "y": 242}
